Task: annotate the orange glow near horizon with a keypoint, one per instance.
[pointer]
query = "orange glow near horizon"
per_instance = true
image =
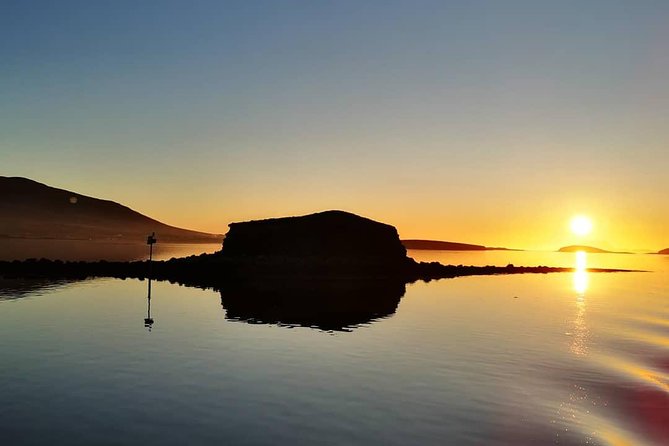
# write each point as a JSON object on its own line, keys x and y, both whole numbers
{"x": 524, "y": 229}
{"x": 538, "y": 221}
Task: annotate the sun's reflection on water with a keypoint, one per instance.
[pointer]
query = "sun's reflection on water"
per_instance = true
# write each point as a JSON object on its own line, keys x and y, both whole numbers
{"x": 579, "y": 345}
{"x": 581, "y": 275}
{"x": 576, "y": 409}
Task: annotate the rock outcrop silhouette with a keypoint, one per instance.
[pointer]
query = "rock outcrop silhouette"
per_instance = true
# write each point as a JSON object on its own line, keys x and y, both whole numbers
{"x": 325, "y": 242}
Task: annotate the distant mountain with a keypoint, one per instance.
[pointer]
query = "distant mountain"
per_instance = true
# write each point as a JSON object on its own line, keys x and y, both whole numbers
{"x": 664, "y": 251}
{"x": 589, "y": 249}
{"x": 29, "y": 209}
{"x": 435, "y": 245}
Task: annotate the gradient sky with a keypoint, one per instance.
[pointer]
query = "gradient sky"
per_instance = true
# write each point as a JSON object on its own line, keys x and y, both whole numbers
{"x": 475, "y": 121}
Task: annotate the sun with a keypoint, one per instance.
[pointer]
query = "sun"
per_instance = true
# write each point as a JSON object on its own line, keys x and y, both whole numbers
{"x": 581, "y": 225}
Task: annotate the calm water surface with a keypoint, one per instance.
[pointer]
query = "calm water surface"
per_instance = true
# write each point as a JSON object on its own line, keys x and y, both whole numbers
{"x": 21, "y": 249}
{"x": 574, "y": 358}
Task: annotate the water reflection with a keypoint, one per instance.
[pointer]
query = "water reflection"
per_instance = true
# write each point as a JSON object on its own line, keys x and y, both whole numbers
{"x": 581, "y": 274}
{"x": 575, "y": 409}
{"x": 89, "y": 250}
{"x": 148, "y": 320}
{"x": 579, "y": 345}
{"x": 18, "y": 288}
{"x": 331, "y": 305}
{"x": 471, "y": 367}
{"x": 327, "y": 304}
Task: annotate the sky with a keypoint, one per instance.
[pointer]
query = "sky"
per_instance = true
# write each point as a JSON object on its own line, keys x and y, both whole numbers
{"x": 474, "y": 121}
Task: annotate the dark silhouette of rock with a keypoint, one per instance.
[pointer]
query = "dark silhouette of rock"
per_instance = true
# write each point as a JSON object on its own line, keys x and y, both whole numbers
{"x": 29, "y": 209}
{"x": 436, "y": 245}
{"x": 330, "y": 241}
{"x": 663, "y": 251}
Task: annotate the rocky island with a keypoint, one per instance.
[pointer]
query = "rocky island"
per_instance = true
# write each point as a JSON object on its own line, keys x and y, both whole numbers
{"x": 324, "y": 243}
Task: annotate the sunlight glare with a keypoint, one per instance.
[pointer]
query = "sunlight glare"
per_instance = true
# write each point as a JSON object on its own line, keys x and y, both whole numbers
{"x": 581, "y": 225}
{"x": 581, "y": 274}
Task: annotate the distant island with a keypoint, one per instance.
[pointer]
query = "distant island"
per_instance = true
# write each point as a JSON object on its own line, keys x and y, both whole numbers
{"x": 664, "y": 251}
{"x": 436, "y": 245}
{"x": 588, "y": 249}
{"x": 32, "y": 210}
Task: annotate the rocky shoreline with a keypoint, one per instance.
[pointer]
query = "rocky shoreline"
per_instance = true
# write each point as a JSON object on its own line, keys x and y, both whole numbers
{"x": 214, "y": 270}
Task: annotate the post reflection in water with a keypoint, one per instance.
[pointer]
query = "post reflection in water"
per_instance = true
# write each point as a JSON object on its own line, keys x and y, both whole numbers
{"x": 148, "y": 320}
{"x": 579, "y": 345}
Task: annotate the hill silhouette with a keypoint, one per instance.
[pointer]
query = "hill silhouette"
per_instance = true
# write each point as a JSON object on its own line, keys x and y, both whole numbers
{"x": 663, "y": 251}
{"x": 436, "y": 245}
{"x": 589, "y": 249}
{"x": 29, "y": 209}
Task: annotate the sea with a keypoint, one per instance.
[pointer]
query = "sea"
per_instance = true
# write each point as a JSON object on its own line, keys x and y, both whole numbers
{"x": 577, "y": 358}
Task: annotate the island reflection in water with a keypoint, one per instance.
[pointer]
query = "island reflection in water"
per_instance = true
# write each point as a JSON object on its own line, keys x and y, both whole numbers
{"x": 333, "y": 305}
{"x": 327, "y": 304}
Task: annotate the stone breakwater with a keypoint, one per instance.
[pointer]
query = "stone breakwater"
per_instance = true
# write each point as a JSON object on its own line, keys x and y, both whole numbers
{"x": 212, "y": 270}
